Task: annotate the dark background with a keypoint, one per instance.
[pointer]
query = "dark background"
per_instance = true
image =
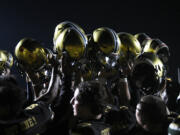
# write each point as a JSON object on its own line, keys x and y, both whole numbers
{"x": 38, "y": 19}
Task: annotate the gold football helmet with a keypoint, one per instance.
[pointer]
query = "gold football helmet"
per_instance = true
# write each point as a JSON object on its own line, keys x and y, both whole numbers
{"x": 62, "y": 26}
{"x": 148, "y": 72}
{"x": 30, "y": 54}
{"x": 158, "y": 47}
{"x": 130, "y": 47}
{"x": 107, "y": 49}
{"x": 106, "y": 40}
{"x": 6, "y": 61}
{"x": 34, "y": 60}
{"x": 71, "y": 41}
{"x": 142, "y": 38}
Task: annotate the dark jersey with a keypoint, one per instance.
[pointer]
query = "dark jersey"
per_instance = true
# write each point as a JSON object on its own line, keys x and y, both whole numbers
{"x": 172, "y": 91}
{"x": 137, "y": 130}
{"x": 31, "y": 121}
{"x": 91, "y": 128}
{"x": 62, "y": 109}
{"x": 121, "y": 119}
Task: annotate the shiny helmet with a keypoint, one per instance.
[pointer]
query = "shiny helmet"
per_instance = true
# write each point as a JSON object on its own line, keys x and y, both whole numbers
{"x": 62, "y": 26}
{"x": 107, "y": 44}
{"x": 148, "y": 73}
{"x": 106, "y": 40}
{"x": 130, "y": 47}
{"x": 158, "y": 47}
{"x": 6, "y": 62}
{"x": 174, "y": 127}
{"x": 34, "y": 60}
{"x": 71, "y": 41}
{"x": 31, "y": 54}
{"x": 142, "y": 38}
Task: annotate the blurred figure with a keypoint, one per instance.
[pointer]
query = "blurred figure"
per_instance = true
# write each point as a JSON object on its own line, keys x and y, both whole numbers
{"x": 170, "y": 88}
{"x": 50, "y": 78}
{"x": 152, "y": 116}
{"x": 69, "y": 49}
{"x": 121, "y": 119}
{"x": 15, "y": 120}
{"x": 37, "y": 64}
{"x": 174, "y": 127}
{"x": 6, "y": 62}
{"x": 88, "y": 105}
{"x": 60, "y": 105}
{"x": 148, "y": 73}
{"x": 94, "y": 113}
{"x": 107, "y": 50}
{"x": 71, "y": 43}
{"x": 130, "y": 49}
{"x": 118, "y": 66}
{"x": 147, "y": 76}
{"x": 169, "y": 93}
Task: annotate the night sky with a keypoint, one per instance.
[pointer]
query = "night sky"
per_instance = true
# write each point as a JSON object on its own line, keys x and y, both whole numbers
{"x": 38, "y": 19}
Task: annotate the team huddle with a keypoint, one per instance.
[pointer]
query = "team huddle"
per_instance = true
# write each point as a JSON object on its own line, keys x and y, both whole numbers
{"x": 102, "y": 83}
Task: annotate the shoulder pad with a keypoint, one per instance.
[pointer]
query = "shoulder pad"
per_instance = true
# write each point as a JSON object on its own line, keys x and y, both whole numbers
{"x": 123, "y": 108}
{"x": 31, "y": 107}
{"x": 169, "y": 79}
{"x": 107, "y": 108}
{"x": 83, "y": 129}
{"x": 105, "y": 131}
{"x": 74, "y": 133}
{"x": 84, "y": 124}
